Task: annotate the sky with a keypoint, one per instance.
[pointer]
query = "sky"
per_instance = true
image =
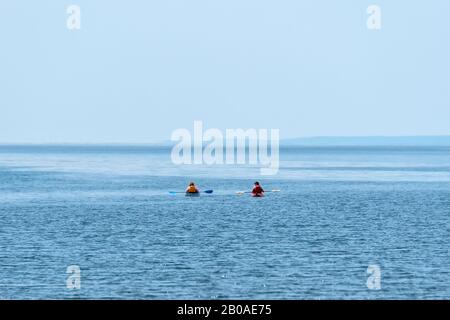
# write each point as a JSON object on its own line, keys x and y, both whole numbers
{"x": 138, "y": 70}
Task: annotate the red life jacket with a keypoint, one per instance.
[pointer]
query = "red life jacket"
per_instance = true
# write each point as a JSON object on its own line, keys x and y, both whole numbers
{"x": 257, "y": 190}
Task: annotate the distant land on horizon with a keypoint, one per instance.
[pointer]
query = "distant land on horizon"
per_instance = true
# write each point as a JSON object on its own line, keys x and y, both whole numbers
{"x": 330, "y": 141}
{"x": 369, "y": 141}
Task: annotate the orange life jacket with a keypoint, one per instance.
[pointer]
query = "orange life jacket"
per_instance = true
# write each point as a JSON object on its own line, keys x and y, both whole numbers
{"x": 192, "y": 189}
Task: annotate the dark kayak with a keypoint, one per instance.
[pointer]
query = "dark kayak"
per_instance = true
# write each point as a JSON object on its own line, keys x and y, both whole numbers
{"x": 258, "y": 195}
{"x": 192, "y": 194}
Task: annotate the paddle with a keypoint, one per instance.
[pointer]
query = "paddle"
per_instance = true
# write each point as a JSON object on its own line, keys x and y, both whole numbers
{"x": 244, "y": 192}
{"x": 176, "y": 192}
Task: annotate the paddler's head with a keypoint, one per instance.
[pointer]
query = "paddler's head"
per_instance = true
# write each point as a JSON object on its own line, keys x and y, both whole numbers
{"x": 256, "y": 183}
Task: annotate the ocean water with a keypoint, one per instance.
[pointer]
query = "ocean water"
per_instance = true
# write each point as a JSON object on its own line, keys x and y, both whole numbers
{"x": 107, "y": 209}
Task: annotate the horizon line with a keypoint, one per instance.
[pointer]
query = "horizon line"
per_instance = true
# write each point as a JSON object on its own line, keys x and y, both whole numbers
{"x": 289, "y": 140}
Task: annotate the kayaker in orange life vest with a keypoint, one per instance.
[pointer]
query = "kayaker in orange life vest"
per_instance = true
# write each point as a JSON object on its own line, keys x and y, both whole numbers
{"x": 257, "y": 190}
{"x": 192, "y": 188}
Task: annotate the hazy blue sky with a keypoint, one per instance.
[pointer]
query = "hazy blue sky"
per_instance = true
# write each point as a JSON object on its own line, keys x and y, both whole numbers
{"x": 137, "y": 70}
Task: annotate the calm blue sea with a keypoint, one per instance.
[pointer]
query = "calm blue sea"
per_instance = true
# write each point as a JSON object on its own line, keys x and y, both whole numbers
{"x": 107, "y": 209}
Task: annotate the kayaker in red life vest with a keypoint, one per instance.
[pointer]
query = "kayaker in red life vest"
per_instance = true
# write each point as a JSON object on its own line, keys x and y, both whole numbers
{"x": 257, "y": 190}
{"x": 192, "y": 188}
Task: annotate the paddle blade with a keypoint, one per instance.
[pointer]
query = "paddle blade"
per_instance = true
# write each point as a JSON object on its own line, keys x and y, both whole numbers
{"x": 208, "y": 191}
